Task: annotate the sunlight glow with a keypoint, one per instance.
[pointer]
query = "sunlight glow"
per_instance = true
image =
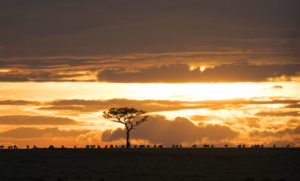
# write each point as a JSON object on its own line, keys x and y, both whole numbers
{"x": 187, "y": 92}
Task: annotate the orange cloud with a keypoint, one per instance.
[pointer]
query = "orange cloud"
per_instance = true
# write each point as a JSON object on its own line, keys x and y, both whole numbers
{"x": 180, "y": 130}
{"x": 36, "y": 120}
{"x": 27, "y": 132}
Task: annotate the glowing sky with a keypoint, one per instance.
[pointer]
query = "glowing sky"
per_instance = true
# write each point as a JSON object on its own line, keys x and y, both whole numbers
{"x": 206, "y": 71}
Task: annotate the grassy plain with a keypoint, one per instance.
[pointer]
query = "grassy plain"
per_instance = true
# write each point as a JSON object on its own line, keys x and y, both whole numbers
{"x": 186, "y": 164}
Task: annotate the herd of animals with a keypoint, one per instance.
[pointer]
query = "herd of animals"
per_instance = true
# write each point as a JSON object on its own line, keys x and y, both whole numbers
{"x": 136, "y": 146}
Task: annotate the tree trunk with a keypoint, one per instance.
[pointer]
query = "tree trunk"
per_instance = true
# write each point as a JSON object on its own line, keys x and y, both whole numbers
{"x": 127, "y": 139}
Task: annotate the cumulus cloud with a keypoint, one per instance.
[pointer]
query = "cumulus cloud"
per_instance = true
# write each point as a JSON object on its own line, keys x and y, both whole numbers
{"x": 180, "y": 130}
{"x": 23, "y": 132}
{"x": 36, "y": 120}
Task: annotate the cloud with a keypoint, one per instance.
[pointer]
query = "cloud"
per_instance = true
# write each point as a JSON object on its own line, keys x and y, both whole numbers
{"x": 78, "y": 105}
{"x": 41, "y": 76}
{"x": 200, "y": 118}
{"x": 18, "y": 102}
{"x": 278, "y": 114}
{"x": 101, "y": 36}
{"x": 277, "y": 87}
{"x": 180, "y": 130}
{"x": 154, "y": 26}
{"x": 86, "y": 106}
{"x": 293, "y": 106}
{"x": 36, "y": 120}
{"x": 277, "y": 133}
{"x": 181, "y": 74}
{"x": 22, "y": 132}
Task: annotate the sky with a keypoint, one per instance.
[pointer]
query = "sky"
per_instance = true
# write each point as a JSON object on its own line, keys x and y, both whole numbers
{"x": 206, "y": 72}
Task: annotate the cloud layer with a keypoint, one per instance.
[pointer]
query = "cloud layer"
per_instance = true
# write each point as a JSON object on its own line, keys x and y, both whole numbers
{"x": 22, "y": 132}
{"x": 63, "y": 41}
{"x": 182, "y": 74}
{"x": 36, "y": 120}
{"x": 160, "y": 130}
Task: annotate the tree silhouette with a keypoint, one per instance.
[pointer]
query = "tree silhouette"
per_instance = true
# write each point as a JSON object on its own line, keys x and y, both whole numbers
{"x": 130, "y": 117}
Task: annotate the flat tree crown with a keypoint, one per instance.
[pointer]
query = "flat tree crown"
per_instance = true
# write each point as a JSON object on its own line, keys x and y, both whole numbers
{"x": 130, "y": 117}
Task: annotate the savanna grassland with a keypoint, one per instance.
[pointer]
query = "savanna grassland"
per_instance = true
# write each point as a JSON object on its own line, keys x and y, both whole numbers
{"x": 272, "y": 164}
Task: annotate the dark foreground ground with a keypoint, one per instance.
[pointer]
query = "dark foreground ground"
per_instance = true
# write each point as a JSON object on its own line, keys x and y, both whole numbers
{"x": 151, "y": 164}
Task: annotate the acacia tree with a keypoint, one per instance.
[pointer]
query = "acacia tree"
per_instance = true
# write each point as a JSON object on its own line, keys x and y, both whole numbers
{"x": 130, "y": 117}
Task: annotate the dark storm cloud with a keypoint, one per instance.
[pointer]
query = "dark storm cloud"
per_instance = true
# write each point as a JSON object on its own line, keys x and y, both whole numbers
{"x": 160, "y": 130}
{"x": 23, "y": 132}
{"x": 97, "y": 35}
{"x": 278, "y": 113}
{"x": 181, "y": 73}
{"x": 36, "y": 120}
{"x": 86, "y": 106}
